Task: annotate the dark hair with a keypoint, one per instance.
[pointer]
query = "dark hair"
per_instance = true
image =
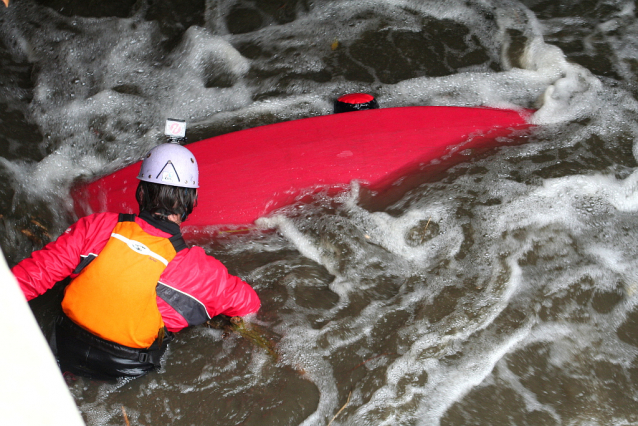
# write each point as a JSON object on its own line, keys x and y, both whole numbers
{"x": 165, "y": 200}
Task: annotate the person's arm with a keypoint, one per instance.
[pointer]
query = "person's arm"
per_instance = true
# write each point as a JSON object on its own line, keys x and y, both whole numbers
{"x": 195, "y": 287}
{"x": 57, "y": 260}
{"x": 238, "y": 298}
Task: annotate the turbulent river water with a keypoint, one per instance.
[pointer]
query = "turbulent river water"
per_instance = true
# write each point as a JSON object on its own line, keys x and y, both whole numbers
{"x": 502, "y": 291}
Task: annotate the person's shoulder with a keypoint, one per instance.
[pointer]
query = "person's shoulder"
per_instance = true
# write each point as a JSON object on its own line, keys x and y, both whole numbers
{"x": 193, "y": 252}
{"x": 94, "y": 220}
{"x": 197, "y": 254}
{"x": 108, "y": 219}
{"x": 104, "y": 216}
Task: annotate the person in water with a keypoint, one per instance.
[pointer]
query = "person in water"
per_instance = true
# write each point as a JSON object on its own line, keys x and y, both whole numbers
{"x": 134, "y": 281}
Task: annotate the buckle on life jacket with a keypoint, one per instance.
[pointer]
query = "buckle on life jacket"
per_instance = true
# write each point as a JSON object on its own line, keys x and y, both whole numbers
{"x": 143, "y": 358}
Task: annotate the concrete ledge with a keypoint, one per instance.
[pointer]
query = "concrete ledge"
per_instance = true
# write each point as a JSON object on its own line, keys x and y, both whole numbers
{"x": 32, "y": 390}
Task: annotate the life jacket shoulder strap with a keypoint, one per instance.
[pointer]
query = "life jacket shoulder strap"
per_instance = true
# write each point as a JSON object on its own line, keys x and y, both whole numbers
{"x": 176, "y": 240}
{"x": 126, "y": 217}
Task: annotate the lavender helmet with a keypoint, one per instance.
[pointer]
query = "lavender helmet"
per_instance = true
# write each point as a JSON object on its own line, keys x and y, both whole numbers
{"x": 170, "y": 164}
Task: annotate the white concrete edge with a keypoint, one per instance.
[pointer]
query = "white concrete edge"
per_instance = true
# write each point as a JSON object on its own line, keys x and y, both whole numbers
{"x": 32, "y": 390}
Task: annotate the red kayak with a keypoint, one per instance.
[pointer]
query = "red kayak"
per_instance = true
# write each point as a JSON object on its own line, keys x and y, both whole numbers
{"x": 247, "y": 174}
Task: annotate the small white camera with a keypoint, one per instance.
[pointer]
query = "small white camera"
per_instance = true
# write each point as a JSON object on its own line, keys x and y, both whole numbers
{"x": 175, "y": 129}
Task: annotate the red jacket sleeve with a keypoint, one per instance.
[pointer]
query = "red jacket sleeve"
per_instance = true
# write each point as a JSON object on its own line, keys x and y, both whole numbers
{"x": 57, "y": 260}
{"x": 205, "y": 279}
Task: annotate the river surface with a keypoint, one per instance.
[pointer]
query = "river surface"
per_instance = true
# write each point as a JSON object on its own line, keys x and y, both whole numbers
{"x": 502, "y": 291}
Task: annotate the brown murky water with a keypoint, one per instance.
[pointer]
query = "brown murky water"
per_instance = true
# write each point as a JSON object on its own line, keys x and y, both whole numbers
{"x": 500, "y": 291}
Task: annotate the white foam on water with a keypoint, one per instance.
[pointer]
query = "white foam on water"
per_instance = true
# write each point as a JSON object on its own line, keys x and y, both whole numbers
{"x": 445, "y": 384}
{"x": 530, "y": 399}
{"x": 302, "y": 355}
{"x": 389, "y": 232}
{"x": 200, "y": 52}
{"x": 106, "y": 87}
{"x": 301, "y": 242}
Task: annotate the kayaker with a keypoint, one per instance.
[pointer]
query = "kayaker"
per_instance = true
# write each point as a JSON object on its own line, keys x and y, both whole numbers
{"x": 134, "y": 281}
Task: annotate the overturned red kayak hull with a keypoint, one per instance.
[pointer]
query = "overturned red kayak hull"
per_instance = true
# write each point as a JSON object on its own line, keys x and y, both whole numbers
{"x": 247, "y": 174}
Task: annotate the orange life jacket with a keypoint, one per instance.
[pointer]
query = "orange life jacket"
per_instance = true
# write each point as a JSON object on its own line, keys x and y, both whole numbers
{"x": 114, "y": 296}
